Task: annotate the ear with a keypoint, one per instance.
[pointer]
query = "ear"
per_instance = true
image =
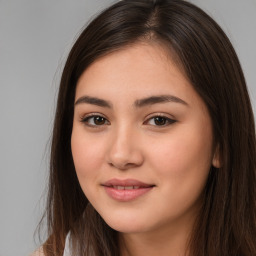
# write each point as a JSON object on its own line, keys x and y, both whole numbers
{"x": 216, "y": 161}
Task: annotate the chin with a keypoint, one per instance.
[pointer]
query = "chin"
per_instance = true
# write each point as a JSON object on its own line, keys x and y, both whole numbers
{"x": 126, "y": 224}
{"x": 126, "y": 227}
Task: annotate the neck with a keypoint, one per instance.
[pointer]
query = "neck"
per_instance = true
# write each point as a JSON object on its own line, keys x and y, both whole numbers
{"x": 164, "y": 241}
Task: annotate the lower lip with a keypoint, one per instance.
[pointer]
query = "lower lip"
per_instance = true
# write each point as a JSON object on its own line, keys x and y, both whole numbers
{"x": 125, "y": 195}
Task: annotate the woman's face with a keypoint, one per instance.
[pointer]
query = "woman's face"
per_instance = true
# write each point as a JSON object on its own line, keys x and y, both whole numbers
{"x": 142, "y": 140}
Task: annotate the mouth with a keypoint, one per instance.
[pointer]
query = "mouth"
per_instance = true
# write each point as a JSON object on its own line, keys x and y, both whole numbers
{"x": 126, "y": 190}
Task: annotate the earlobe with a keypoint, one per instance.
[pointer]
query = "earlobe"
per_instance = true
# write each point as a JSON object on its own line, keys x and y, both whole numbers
{"x": 216, "y": 161}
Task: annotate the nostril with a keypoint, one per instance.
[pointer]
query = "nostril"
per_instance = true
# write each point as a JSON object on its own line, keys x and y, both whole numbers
{"x": 123, "y": 166}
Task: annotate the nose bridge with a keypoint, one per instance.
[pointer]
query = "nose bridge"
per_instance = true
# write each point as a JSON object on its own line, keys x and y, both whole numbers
{"x": 121, "y": 136}
{"x": 124, "y": 150}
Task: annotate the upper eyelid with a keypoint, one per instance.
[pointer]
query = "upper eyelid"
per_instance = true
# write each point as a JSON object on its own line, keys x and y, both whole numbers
{"x": 92, "y": 115}
{"x": 86, "y": 117}
{"x": 168, "y": 116}
{"x": 85, "y": 120}
{"x": 149, "y": 116}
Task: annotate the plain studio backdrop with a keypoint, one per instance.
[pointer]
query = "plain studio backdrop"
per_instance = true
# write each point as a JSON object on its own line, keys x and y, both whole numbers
{"x": 35, "y": 38}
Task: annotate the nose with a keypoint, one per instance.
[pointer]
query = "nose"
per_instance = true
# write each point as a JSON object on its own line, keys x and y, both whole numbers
{"x": 125, "y": 152}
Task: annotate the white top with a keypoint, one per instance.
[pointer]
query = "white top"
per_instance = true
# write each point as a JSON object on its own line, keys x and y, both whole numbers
{"x": 40, "y": 252}
{"x": 67, "y": 247}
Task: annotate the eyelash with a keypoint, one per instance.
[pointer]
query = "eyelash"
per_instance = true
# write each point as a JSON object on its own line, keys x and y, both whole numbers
{"x": 167, "y": 120}
{"x": 85, "y": 120}
{"x": 92, "y": 116}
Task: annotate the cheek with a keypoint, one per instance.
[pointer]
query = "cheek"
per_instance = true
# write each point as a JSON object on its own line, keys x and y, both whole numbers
{"x": 186, "y": 154}
{"x": 182, "y": 163}
{"x": 87, "y": 154}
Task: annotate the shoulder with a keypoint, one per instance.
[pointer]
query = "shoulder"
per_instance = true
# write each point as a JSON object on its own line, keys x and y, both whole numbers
{"x": 38, "y": 252}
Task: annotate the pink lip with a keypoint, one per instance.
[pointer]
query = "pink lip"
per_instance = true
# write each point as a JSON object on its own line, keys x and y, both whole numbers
{"x": 128, "y": 194}
{"x": 126, "y": 183}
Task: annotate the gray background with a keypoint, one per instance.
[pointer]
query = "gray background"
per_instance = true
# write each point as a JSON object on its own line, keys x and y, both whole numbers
{"x": 35, "y": 37}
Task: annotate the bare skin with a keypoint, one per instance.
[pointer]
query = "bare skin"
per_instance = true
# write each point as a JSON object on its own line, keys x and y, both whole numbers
{"x": 138, "y": 117}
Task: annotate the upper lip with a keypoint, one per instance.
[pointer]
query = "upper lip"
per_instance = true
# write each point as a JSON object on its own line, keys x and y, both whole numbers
{"x": 126, "y": 183}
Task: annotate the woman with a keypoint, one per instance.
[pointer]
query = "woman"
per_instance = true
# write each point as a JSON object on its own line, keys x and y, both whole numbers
{"x": 153, "y": 149}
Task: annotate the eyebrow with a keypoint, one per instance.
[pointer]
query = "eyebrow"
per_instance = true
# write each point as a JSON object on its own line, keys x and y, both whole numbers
{"x": 138, "y": 103}
{"x": 159, "y": 99}
{"x": 93, "y": 101}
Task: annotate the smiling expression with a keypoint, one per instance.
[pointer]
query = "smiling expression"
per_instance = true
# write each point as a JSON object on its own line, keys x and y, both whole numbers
{"x": 142, "y": 140}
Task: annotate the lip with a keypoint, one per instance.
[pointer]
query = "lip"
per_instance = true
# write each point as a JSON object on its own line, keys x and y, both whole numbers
{"x": 126, "y": 183}
{"x": 126, "y": 190}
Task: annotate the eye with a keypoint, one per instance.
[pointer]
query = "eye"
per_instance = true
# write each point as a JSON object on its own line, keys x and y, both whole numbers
{"x": 94, "y": 120}
{"x": 160, "y": 121}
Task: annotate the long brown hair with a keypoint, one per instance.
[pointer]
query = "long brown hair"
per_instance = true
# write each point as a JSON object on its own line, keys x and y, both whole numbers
{"x": 226, "y": 224}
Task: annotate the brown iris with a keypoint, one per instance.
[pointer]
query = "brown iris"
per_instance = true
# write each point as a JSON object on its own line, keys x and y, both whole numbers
{"x": 160, "y": 120}
{"x": 99, "y": 120}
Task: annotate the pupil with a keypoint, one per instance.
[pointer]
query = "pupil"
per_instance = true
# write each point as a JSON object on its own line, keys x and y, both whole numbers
{"x": 160, "y": 120}
{"x": 99, "y": 120}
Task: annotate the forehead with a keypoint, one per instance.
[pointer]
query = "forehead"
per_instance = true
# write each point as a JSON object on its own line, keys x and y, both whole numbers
{"x": 139, "y": 70}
